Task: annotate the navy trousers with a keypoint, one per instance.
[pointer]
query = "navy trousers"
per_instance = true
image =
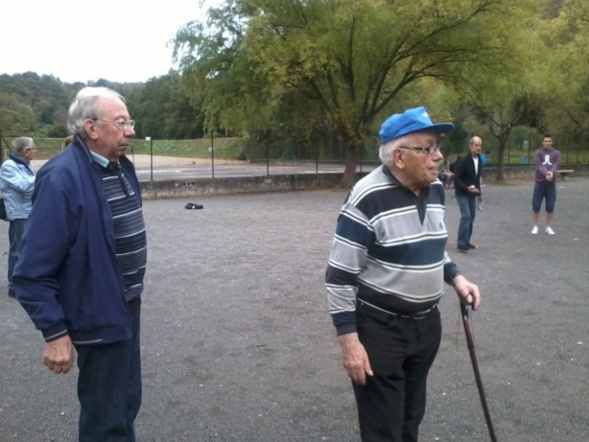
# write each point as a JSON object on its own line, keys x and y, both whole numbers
{"x": 16, "y": 231}
{"x": 401, "y": 351}
{"x": 109, "y": 387}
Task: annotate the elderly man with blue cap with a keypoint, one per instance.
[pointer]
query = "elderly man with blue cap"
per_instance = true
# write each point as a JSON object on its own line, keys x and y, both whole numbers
{"x": 386, "y": 275}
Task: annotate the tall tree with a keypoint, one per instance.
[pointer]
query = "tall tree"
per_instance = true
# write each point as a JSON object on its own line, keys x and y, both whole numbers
{"x": 163, "y": 110}
{"x": 347, "y": 59}
{"x": 565, "y": 36}
{"x": 507, "y": 94}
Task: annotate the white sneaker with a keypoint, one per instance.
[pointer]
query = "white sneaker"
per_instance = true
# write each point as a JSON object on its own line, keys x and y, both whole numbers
{"x": 535, "y": 230}
{"x": 549, "y": 230}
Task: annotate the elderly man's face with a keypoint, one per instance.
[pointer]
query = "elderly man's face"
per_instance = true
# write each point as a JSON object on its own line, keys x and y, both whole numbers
{"x": 419, "y": 167}
{"x": 476, "y": 145}
{"x": 110, "y": 132}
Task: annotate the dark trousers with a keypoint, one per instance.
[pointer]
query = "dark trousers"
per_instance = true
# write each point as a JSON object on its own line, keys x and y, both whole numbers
{"x": 544, "y": 191}
{"x": 16, "y": 229}
{"x": 401, "y": 351}
{"x": 109, "y": 388}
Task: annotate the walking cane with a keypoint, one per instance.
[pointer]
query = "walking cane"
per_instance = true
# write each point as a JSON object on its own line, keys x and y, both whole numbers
{"x": 475, "y": 366}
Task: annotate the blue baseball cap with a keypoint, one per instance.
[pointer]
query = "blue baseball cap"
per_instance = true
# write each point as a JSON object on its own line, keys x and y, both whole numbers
{"x": 412, "y": 120}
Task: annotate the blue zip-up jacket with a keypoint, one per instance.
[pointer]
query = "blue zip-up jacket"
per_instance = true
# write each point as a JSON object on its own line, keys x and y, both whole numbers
{"x": 17, "y": 182}
{"x": 67, "y": 277}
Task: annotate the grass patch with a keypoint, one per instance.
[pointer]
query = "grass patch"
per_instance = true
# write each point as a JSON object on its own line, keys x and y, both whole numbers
{"x": 224, "y": 148}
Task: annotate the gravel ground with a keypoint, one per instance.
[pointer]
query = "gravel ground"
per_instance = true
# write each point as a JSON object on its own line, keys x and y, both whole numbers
{"x": 238, "y": 345}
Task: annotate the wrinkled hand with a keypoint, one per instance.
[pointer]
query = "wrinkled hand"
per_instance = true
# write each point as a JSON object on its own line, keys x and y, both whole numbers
{"x": 354, "y": 358}
{"x": 58, "y": 355}
{"x": 467, "y": 292}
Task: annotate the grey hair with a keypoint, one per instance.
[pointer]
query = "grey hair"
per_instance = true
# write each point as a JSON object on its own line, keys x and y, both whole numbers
{"x": 19, "y": 145}
{"x": 385, "y": 151}
{"x": 86, "y": 106}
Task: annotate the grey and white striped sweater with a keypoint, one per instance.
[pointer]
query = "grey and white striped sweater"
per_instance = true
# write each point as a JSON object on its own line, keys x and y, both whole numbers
{"x": 388, "y": 250}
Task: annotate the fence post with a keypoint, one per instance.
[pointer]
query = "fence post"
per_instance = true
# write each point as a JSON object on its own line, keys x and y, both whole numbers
{"x": 213, "y": 153}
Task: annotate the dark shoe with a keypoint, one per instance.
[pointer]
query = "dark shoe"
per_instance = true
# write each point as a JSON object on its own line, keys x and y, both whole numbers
{"x": 463, "y": 249}
{"x": 473, "y": 246}
{"x": 191, "y": 206}
{"x": 11, "y": 293}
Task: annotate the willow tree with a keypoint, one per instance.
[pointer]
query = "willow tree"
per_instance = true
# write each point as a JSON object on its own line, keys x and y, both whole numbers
{"x": 344, "y": 62}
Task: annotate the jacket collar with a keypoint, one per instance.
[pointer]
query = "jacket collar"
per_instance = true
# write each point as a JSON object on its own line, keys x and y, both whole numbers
{"x": 19, "y": 160}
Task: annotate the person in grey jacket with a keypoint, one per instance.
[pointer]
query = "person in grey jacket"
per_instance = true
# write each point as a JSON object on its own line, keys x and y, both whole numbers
{"x": 17, "y": 181}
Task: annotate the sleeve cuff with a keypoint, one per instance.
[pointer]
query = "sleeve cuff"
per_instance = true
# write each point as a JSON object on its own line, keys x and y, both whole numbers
{"x": 450, "y": 272}
{"x": 344, "y": 329}
{"x": 55, "y": 332}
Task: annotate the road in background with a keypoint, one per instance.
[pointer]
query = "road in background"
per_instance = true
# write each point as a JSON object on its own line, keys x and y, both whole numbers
{"x": 165, "y": 168}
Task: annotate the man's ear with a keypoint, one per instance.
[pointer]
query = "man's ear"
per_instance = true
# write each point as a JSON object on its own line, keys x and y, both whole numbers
{"x": 398, "y": 160}
{"x": 90, "y": 129}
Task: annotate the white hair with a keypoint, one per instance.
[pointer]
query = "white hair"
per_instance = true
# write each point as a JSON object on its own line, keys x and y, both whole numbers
{"x": 86, "y": 106}
{"x": 385, "y": 151}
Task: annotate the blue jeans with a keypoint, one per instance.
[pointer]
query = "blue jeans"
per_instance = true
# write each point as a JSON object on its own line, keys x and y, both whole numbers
{"x": 468, "y": 210}
{"x": 15, "y": 234}
{"x": 109, "y": 387}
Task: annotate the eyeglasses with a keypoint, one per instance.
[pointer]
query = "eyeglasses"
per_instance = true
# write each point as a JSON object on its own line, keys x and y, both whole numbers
{"x": 430, "y": 150}
{"x": 120, "y": 124}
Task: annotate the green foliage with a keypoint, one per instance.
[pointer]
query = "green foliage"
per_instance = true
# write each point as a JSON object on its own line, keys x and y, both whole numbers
{"x": 337, "y": 66}
{"x": 29, "y": 102}
{"x": 162, "y": 109}
{"x": 38, "y": 105}
{"x": 314, "y": 79}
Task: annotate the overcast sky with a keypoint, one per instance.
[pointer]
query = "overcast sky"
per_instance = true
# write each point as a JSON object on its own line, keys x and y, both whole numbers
{"x": 118, "y": 40}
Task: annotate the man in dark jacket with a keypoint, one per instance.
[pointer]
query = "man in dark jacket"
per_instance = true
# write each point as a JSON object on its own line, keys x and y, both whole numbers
{"x": 467, "y": 185}
{"x": 82, "y": 263}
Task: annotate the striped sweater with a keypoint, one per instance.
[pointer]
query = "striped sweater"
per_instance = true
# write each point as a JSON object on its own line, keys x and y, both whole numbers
{"x": 129, "y": 227}
{"x": 388, "y": 250}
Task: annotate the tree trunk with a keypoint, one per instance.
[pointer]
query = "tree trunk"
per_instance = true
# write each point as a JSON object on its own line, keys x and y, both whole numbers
{"x": 500, "y": 176}
{"x": 350, "y": 169}
{"x": 502, "y": 147}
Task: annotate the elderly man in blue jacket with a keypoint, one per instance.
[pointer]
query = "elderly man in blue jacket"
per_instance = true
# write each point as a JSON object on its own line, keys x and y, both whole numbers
{"x": 82, "y": 263}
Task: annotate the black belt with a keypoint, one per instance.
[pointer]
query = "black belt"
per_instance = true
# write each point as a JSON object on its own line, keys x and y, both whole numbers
{"x": 419, "y": 315}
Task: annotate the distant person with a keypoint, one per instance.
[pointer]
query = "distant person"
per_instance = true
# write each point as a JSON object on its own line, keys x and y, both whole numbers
{"x": 82, "y": 264}
{"x": 386, "y": 275}
{"x": 67, "y": 141}
{"x": 17, "y": 181}
{"x": 445, "y": 175}
{"x": 485, "y": 157}
{"x": 467, "y": 185}
{"x": 547, "y": 162}
{"x": 452, "y": 165}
